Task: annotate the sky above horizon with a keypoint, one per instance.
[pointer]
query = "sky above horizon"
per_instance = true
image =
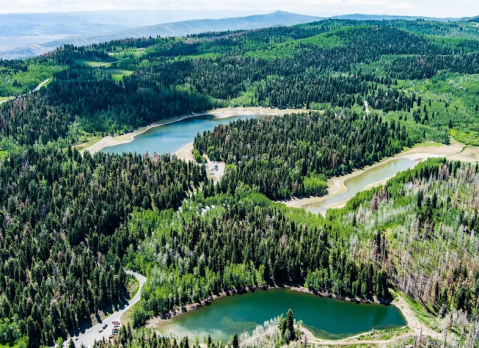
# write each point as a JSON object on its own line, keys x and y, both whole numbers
{"x": 430, "y": 8}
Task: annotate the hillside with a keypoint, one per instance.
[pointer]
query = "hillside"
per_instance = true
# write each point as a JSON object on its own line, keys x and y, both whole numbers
{"x": 92, "y": 28}
{"x": 164, "y": 30}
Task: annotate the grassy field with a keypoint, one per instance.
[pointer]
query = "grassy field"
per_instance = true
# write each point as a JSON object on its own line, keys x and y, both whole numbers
{"x": 119, "y": 74}
{"x": 470, "y": 138}
{"x": 198, "y": 56}
{"x": 92, "y": 64}
{"x": 386, "y": 334}
{"x": 127, "y": 317}
{"x": 2, "y": 99}
{"x": 86, "y": 144}
{"x": 424, "y": 314}
{"x": 116, "y": 74}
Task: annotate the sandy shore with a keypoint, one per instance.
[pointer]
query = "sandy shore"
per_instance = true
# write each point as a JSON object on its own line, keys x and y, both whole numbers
{"x": 186, "y": 153}
{"x": 219, "y": 113}
{"x": 337, "y": 186}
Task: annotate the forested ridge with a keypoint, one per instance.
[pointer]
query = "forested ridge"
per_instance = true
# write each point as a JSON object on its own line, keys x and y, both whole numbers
{"x": 292, "y": 155}
{"x": 331, "y": 63}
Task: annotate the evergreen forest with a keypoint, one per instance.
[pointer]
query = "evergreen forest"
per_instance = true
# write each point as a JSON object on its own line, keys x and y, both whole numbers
{"x": 74, "y": 224}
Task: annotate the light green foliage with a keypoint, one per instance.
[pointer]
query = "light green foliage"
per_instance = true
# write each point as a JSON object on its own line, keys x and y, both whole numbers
{"x": 315, "y": 184}
{"x": 93, "y": 64}
{"x": 138, "y": 316}
{"x": 10, "y": 332}
{"x": 326, "y": 40}
{"x": 198, "y": 157}
{"x": 451, "y": 97}
{"x": 119, "y": 74}
{"x": 14, "y": 83}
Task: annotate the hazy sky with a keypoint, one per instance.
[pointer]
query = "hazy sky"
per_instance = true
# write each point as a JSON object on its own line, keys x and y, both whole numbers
{"x": 432, "y": 8}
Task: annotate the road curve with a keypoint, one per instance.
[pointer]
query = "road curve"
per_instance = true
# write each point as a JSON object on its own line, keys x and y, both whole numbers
{"x": 41, "y": 85}
{"x": 89, "y": 336}
{"x": 35, "y": 90}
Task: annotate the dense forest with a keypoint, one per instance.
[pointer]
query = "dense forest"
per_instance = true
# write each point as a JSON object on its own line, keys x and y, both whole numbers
{"x": 292, "y": 155}
{"x": 71, "y": 223}
{"x": 232, "y": 242}
{"x": 114, "y": 87}
{"x": 62, "y": 236}
{"x": 417, "y": 234}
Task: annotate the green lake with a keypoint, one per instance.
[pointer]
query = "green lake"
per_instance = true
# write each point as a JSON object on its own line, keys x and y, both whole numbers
{"x": 324, "y": 317}
{"x": 172, "y": 137}
{"x": 360, "y": 182}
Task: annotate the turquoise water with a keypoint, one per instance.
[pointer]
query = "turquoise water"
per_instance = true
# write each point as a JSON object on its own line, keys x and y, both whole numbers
{"x": 172, "y": 137}
{"x": 325, "y": 317}
{"x": 360, "y": 182}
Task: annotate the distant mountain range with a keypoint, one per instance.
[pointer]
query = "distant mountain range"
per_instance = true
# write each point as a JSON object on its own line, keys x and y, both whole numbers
{"x": 27, "y": 29}
{"x": 36, "y": 34}
{"x": 365, "y": 17}
{"x": 166, "y": 29}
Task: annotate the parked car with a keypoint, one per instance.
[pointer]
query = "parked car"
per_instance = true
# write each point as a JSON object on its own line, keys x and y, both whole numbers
{"x": 100, "y": 331}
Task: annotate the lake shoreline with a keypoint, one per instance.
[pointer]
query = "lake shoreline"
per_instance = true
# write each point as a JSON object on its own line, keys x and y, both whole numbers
{"x": 110, "y": 141}
{"x": 337, "y": 185}
{"x": 157, "y": 322}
